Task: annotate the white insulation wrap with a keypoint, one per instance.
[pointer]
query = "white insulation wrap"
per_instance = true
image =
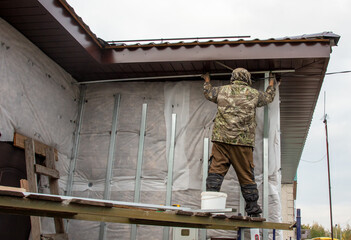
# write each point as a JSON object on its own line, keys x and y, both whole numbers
{"x": 37, "y": 99}
{"x": 194, "y": 122}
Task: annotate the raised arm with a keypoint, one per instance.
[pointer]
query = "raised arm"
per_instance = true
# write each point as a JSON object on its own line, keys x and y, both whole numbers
{"x": 211, "y": 93}
{"x": 267, "y": 97}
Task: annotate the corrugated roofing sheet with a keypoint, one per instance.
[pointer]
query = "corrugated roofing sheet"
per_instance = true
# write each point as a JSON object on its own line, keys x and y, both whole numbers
{"x": 220, "y": 40}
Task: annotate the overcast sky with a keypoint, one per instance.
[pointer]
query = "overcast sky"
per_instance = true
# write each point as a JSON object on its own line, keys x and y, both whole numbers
{"x": 126, "y": 19}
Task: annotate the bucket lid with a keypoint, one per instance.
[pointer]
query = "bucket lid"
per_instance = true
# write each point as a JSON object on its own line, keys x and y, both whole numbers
{"x": 214, "y": 194}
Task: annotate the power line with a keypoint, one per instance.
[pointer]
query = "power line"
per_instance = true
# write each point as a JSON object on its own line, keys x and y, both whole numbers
{"x": 314, "y": 161}
{"x": 331, "y": 73}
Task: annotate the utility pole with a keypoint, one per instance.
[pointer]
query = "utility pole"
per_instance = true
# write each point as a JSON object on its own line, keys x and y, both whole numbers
{"x": 327, "y": 144}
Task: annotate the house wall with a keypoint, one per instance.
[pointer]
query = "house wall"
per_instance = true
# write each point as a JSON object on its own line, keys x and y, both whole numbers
{"x": 37, "y": 99}
{"x": 288, "y": 208}
{"x": 194, "y": 122}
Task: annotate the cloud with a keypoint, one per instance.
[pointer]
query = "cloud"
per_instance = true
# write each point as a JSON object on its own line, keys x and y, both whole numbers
{"x": 114, "y": 20}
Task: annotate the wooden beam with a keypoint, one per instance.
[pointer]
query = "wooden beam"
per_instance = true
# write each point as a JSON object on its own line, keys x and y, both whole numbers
{"x": 32, "y": 183}
{"x": 15, "y": 189}
{"x": 40, "y": 148}
{"x": 53, "y": 173}
{"x": 60, "y": 236}
{"x": 36, "y": 207}
{"x": 30, "y": 162}
{"x": 12, "y": 193}
{"x": 53, "y": 182}
{"x": 24, "y": 184}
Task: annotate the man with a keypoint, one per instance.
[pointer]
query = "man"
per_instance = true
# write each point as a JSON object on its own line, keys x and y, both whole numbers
{"x": 233, "y": 133}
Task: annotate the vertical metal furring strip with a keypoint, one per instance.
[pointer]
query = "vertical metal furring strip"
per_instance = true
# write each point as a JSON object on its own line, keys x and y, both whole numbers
{"x": 139, "y": 164}
{"x": 110, "y": 160}
{"x": 203, "y": 232}
{"x": 170, "y": 171}
{"x": 265, "y": 159}
{"x": 73, "y": 162}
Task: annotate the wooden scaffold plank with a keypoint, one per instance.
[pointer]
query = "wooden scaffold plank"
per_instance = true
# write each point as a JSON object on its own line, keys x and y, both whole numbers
{"x": 88, "y": 212}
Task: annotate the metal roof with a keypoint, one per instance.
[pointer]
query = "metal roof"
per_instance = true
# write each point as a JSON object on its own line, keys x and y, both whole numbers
{"x": 56, "y": 29}
{"x": 172, "y": 42}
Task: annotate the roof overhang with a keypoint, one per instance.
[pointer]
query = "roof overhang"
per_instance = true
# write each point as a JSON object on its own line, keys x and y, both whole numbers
{"x": 54, "y": 27}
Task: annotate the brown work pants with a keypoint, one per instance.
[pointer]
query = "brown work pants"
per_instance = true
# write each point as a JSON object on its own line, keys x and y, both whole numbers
{"x": 240, "y": 157}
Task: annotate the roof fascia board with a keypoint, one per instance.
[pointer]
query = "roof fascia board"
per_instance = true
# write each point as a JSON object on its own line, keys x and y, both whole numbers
{"x": 72, "y": 26}
{"x": 225, "y": 52}
{"x": 80, "y": 22}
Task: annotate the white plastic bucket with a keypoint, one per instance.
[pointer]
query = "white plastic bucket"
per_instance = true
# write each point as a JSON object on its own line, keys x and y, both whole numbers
{"x": 213, "y": 200}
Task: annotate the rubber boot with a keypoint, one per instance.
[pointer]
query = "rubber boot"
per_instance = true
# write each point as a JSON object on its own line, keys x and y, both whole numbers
{"x": 214, "y": 182}
{"x": 250, "y": 194}
{"x": 253, "y": 209}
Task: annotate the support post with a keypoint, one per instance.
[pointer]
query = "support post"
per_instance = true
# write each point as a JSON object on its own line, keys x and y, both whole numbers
{"x": 241, "y": 204}
{"x": 298, "y": 224}
{"x": 328, "y": 162}
{"x": 54, "y": 187}
{"x": 139, "y": 164}
{"x": 110, "y": 161}
{"x": 265, "y": 159}
{"x": 73, "y": 162}
{"x": 205, "y": 163}
{"x": 203, "y": 232}
{"x": 241, "y": 211}
{"x": 239, "y": 233}
{"x": 32, "y": 183}
{"x": 170, "y": 170}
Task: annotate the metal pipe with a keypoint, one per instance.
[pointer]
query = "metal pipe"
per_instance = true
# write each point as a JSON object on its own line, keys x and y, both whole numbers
{"x": 173, "y": 77}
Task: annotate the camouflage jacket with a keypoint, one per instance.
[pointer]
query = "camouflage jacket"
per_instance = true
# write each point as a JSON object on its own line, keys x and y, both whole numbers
{"x": 235, "y": 122}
